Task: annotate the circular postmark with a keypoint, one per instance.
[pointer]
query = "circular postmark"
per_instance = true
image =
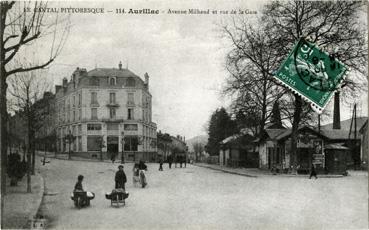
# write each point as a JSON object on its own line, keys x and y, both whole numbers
{"x": 317, "y": 69}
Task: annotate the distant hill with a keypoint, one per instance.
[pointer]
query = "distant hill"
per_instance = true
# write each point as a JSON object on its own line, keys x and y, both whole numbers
{"x": 201, "y": 139}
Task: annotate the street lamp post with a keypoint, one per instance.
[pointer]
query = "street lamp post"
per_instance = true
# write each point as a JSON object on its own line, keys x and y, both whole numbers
{"x": 122, "y": 157}
{"x": 70, "y": 139}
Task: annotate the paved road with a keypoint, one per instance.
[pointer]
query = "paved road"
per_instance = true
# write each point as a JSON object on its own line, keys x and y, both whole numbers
{"x": 200, "y": 198}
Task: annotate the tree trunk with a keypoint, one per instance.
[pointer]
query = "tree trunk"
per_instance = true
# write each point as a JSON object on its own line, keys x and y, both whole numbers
{"x": 3, "y": 111}
{"x": 33, "y": 147}
{"x": 295, "y": 126}
{"x": 29, "y": 190}
{"x": 33, "y": 160}
{"x": 28, "y": 150}
{"x": 3, "y": 134}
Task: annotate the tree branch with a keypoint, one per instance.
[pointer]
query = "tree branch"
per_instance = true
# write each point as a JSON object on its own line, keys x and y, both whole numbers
{"x": 21, "y": 69}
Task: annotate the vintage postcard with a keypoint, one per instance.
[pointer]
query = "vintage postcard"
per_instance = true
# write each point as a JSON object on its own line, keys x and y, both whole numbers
{"x": 143, "y": 114}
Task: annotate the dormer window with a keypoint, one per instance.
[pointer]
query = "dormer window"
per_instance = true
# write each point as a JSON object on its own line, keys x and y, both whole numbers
{"x": 131, "y": 82}
{"x": 112, "y": 81}
{"x": 94, "y": 81}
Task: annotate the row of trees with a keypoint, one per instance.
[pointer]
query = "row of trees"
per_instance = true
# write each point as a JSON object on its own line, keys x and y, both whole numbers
{"x": 23, "y": 33}
{"x": 259, "y": 48}
{"x": 167, "y": 145}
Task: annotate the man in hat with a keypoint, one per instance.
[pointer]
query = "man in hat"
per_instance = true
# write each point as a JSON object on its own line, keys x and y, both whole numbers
{"x": 120, "y": 178}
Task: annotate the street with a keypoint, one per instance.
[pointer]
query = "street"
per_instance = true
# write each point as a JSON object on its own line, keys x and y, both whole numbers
{"x": 200, "y": 198}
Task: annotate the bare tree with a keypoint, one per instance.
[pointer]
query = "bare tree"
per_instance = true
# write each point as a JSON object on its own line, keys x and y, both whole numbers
{"x": 250, "y": 64}
{"x": 334, "y": 26}
{"x": 25, "y": 89}
{"x": 198, "y": 149}
{"x": 22, "y": 30}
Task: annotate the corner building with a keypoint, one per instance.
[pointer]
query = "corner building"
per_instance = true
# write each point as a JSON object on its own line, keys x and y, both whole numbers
{"x": 106, "y": 111}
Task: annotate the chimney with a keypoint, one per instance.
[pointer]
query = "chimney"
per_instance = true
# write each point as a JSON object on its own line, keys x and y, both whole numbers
{"x": 57, "y": 88}
{"x": 77, "y": 74}
{"x": 336, "y": 111}
{"x": 47, "y": 94}
{"x": 146, "y": 80}
{"x": 120, "y": 65}
{"x": 65, "y": 82}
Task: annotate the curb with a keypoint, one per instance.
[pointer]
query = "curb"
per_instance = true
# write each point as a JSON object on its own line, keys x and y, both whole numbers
{"x": 226, "y": 171}
{"x": 280, "y": 175}
{"x": 40, "y": 197}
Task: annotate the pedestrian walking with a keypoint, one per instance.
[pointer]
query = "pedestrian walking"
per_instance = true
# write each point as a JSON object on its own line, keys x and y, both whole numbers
{"x": 313, "y": 172}
{"x": 113, "y": 155}
{"x": 170, "y": 161}
{"x": 161, "y": 165}
{"x": 120, "y": 178}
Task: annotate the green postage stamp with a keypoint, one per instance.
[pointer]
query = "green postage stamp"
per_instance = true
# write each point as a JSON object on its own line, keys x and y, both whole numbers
{"x": 311, "y": 73}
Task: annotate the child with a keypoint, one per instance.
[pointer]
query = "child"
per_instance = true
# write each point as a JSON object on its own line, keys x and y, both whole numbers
{"x": 78, "y": 187}
{"x": 136, "y": 178}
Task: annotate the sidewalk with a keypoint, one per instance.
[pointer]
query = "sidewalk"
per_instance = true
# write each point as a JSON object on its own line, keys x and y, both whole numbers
{"x": 20, "y": 206}
{"x": 255, "y": 172}
{"x": 64, "y": 156}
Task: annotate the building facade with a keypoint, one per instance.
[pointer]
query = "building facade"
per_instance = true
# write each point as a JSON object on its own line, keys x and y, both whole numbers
{"x": 106, "y": 111}
{"x": 173, "y": 147}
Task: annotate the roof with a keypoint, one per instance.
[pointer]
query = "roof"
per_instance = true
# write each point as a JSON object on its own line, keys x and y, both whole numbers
{"x": 230, "y": 138}
{"x": 335, "y": 146}
{"x": 288, "y": 132}
{"x": 103, "y": 72}
{"x": 238, "y": 139}
{"x": 364, "y": 128}
{"x": 274, "y": 133}
{"x": 345, "y": 124}
{"x": 338, "y": 134}
{"x": 270, "y": 125}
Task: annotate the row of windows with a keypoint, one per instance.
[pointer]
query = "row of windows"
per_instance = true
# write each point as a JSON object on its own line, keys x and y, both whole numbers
{"x": 94, "y": 143}
{"x": 93, "y": 126}
{"x": 112, "y": 98}
{"x": 62, "y": 132}
{"x": 71, "y": 117}
{"x": 65, "y": 105}
{"x": 112, "y": 113}
{"x": 130, "y": 82}
{"x": 75, "y": 115}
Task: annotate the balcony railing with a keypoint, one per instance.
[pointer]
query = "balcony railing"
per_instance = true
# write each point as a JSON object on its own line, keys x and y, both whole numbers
{"x": 112, "y": 104}
{"x": 115, "y": 119}
{"x": 130, "y": 103}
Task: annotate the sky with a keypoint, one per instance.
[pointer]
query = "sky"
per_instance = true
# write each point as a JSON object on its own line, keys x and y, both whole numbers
{"x": 184, "y": 55}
